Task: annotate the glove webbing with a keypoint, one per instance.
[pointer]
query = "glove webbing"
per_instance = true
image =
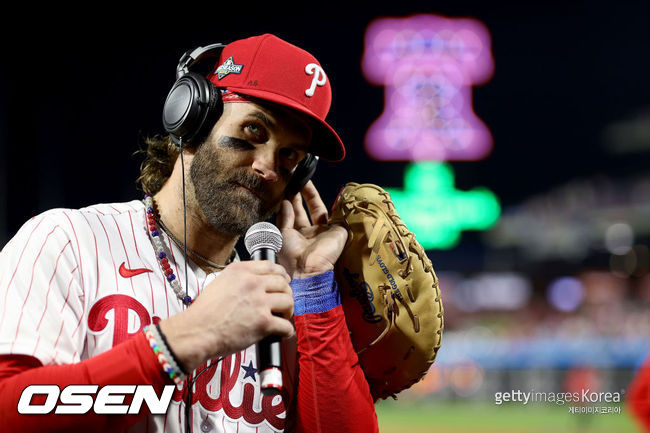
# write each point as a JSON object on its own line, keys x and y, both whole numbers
{"x": 378, "y": 235}
{"x": 401, "y": 229}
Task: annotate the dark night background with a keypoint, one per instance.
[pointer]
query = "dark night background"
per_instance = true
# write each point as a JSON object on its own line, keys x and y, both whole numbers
{"x": 79, "y": 94}
{"x": 569, "y": 102}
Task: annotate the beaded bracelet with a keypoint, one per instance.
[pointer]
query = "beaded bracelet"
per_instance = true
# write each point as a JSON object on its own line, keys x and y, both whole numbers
{"x": 162, "y": 354}
{"x": 173, "y": 358}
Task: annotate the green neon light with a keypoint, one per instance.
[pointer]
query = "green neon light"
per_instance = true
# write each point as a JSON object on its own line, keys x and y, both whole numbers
{"x": 435, "y": 211}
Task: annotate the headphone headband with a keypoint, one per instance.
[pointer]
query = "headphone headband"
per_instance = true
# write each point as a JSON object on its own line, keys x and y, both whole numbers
{"x": 194, "y": 56}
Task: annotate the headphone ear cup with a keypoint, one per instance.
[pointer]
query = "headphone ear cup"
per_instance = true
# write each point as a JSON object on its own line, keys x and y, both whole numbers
{"x": 191, "y": 101}
{"x": 301, "y": 175}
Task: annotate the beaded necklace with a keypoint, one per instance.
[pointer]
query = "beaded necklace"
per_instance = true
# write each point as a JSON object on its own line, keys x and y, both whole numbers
{"x": 161, "y": 255}
{"x": 153, "y": 224}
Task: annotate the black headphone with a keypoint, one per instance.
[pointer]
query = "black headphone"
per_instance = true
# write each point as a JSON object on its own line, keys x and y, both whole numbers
{"x": 194, "y": 104}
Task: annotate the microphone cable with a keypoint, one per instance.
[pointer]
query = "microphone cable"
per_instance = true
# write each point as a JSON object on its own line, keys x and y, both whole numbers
{"x": 180, "y": 143}
{"x": 188, "y": 400}
{"x": 188, "y": 382}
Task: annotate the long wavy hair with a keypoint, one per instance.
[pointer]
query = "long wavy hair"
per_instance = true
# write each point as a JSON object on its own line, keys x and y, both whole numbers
{"x": 159, "y": 159}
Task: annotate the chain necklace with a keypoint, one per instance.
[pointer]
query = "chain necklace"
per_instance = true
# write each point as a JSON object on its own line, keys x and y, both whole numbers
{"x": 180, "y": 245}
{"x": 158, "y": 245}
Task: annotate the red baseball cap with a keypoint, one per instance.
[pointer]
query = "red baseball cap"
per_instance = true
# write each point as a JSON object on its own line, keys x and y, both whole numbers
{"x": 272, "y": 69}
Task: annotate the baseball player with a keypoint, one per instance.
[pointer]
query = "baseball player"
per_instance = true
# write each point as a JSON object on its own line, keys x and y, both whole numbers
{"x": 152, "y": 291}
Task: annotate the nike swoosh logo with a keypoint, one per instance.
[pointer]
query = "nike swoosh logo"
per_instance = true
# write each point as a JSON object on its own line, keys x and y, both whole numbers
{"x": 128, "y": 273}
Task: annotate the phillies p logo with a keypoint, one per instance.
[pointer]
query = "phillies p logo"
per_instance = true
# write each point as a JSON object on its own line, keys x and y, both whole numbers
{"x": 319, "y": 78}
{"x": 121, "y": 306}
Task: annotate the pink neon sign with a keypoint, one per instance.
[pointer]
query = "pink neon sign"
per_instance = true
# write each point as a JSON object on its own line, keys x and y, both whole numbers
{"x": 428, "y": 64}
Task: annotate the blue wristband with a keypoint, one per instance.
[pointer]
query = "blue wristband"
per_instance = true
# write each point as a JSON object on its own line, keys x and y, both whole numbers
{"x": 315, "y": 294}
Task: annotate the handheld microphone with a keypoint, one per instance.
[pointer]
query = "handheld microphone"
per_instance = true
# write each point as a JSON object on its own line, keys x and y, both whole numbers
{"x": 263, "y": 241}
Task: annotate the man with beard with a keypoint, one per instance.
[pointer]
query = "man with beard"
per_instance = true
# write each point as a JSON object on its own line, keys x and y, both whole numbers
{"x": 152, "y": 291}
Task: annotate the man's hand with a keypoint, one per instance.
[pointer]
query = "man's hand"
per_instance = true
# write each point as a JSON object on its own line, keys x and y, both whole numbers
{"x": 252, "y": 299}
{"x": 308, "y": 248}
{"x": 233, "y": 311}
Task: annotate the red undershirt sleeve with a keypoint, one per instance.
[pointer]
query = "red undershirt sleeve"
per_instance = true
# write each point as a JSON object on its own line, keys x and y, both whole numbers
{"x": 129, "y": 363}
{"x": 638, "y": 396}
{"x": 333, "y": 395}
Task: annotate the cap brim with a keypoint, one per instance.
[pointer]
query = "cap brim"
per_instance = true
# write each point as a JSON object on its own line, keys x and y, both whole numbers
{"x": 326, "y": 143}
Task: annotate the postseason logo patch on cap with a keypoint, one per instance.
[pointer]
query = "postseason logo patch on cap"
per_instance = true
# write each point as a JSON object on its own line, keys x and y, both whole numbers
{"x": 228, "y": 67}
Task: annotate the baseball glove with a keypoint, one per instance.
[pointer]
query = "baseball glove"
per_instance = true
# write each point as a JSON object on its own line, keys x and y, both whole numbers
{"x": 389, "y": 291}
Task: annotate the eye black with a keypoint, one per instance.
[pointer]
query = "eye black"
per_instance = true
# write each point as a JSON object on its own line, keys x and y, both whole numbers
{"x": 235, "y": 143}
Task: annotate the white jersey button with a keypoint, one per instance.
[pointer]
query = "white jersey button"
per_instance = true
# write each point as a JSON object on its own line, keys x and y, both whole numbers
{"x": 206, "y": 425}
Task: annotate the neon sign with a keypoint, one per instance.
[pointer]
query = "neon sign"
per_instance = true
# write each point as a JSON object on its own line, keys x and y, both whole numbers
{"x": 435, "y": 211}
{"x": 427, "y": 64}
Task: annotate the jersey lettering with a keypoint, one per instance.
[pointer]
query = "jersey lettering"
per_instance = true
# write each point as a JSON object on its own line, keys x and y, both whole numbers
{"x": 229, "y": 380}
{"x": 120, "y": 305}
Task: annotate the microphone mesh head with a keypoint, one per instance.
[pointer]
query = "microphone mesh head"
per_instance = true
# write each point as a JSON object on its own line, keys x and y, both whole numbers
{"x": 263, "y": 235}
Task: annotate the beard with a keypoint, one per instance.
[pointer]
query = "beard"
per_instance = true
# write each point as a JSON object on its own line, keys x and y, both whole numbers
{"x": 228, "y": 207}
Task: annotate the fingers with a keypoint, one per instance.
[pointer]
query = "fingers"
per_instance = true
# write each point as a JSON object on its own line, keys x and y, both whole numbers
{"x": 301, "y": 218}
{"x": 295, "y": 215}
{"x": 260, "y": 267}
{"x": 280, "y": 303}
{"x": 315, "y": 205}
{"x": 281, "y": 326}
{"x": 274, "y": 284}
{"x": 267, "y": 286}
{"x": 317, "y": 208}
{"x": 286, "y": 216}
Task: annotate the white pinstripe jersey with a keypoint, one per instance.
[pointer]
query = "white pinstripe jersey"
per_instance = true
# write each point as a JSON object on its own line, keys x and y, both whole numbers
{"x": 73, "y": 283}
